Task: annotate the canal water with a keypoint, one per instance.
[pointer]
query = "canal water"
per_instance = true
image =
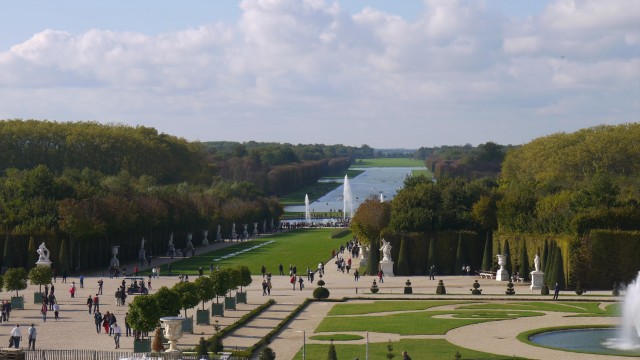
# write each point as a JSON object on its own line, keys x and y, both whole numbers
{"x": 371, "y": 183}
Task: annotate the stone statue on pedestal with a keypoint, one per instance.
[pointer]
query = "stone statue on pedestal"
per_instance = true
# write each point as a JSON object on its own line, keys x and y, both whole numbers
{"x": 43, "y": 255}
{"x": 386, "y": 250}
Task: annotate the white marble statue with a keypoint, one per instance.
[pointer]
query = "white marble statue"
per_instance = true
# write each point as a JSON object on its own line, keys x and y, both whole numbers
{"x": 386, "y": 250}
{"x": 536, "y": 261}
{"x": 142, "y": 244}
{"x": 43, "y": 253}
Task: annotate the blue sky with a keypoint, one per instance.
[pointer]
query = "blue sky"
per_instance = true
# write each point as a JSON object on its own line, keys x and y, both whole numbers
{"x": 383, "y": 73}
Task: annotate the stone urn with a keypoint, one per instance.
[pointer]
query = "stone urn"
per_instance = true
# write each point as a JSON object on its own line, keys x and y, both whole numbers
{"x": 172, "y": 331}
{"x": 502, "y": 274}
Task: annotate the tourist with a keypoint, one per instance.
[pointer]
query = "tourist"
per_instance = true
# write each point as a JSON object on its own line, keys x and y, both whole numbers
{"x": 56, "y": 311}
{"x": 127, "y": 325}
{"x": 556, "y": 292}
{"x": 81, "y": 281}
{"x": 32, "y": 333}
{"x": 380, "y": 276}
{"x": 97, "y": 317}
{"x": 100, "y": 282}
{"x": 105, "y": 322}
{"x": 301, "y": 282}
{"x": 281, "y": 269}
{"x": 64, "y": 276}
{"x": 356, "y": 275}
{"x": 263, "y": 270}
{"x": 468, "y": 270}
{"x": 292, "y": 280}
{"x": 89, "y": 303}
{"x": 72, "y": 290}
{"x": 16, "y": 336}
{"x": 96, "y": 304}
{"x": 269, "y": 286}
{"x": 264, "y": 287}
{"x": 43, "y": 312}
{"x": 117, "y": 331}
{"x": 405, "y": 355}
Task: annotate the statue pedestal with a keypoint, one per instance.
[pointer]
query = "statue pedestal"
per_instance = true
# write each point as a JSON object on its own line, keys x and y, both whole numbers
{"x": 537, "y": 280}
{"x": 387, "y": 268}
{"x": 43, "y": 263}
{"x": 502, "y": 275}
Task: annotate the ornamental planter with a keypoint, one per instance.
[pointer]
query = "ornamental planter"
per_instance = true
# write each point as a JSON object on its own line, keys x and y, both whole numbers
{"x": 217, "y": 310}
{"x": 241, "y": 297}
{"x": 230, "y": 302}
{"x": 17, "y": 303}
{"x": 202, "y": 317}
{"x": 38, "y": 297}
{"x": 187, "y": 325}
{"x": 142, "y": 345}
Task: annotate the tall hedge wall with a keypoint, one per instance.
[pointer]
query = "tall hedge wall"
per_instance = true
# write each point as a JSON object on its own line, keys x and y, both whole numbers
{"x": 446, "y": 245}
{"x": 607, "y": 256}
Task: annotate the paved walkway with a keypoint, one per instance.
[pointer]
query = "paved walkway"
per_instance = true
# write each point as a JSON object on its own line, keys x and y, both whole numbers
{"x": 76, "y": 329}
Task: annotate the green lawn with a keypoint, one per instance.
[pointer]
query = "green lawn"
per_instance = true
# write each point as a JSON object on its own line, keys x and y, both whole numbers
{"x": 337, "y": 337}
{"x": 432, "y": 349}
{"x": 580, "y": 308}
{"x": 413, "y": 323}
{"x": 387, "y": 162}
{"x": 384, "y": 306}
{"x": 303, "y": 247}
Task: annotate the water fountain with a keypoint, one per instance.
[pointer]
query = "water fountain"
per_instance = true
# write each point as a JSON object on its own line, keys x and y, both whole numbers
{"x": 347, "y": 199}
{"x": 307, "y": 212}
{"x": 628, "y": 337}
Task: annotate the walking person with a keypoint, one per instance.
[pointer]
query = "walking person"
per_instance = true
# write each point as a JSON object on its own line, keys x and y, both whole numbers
{"x": 292, "y": 280}
{"x": 56, "y": 311}
{"x": 43, "y": 312}
{"x": 16, "y": 336}
{"x": 380, "y": 276}
{"x": 32, "y": 333}
{"x": 127, "y": 325}
{"x": 281, "y": 269}
{"x": 96, "y": 303}
{"x": 405, "y": 355}
{"x": 301, "y": 282}
{"x": 97, "y": 317}
{"x": 89, "y": 303}
{"x": 556, "y": 292}
{"x": 100, "y": 282}
{"x": 117, "y": 331}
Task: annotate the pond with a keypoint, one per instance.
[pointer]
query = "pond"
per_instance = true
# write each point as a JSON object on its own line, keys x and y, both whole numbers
{"x": 591, "y": 340}
{"x": 372, "y": 182}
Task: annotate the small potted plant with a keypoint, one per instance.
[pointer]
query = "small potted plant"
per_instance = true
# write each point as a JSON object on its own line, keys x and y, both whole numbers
{"x": 374, "y": 288}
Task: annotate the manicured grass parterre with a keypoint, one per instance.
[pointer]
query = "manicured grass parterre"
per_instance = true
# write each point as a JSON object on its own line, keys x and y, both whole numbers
{"x": 432, "y": 349}
{"x": 413, "y": 322}
{"x": 387, "y": 162}
{"x": 336, "y": 337}
{"x": 303, "y": 247}
{"x": 385, "y": 306}
{"x": 580, "y": 308}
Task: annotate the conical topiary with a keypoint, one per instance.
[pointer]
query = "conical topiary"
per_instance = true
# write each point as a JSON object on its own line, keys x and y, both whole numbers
{"x": 403, "y": 260}
{"x": 524, "y": 261}
{"x": 487, "y": 256}
{"x": 374, "y": 258}
{"x": 374, "y": 288}
{"x": 510, "y": 290}
{"x": 32, "y": 255}
{"x": 440, "y": 290}
{"x": 431, "y": 260}
{"x": 476, "y": 288}
{"x": 332, "y": 352}
{"x": 459, "y": 257}
{"x": 507, "y": 252}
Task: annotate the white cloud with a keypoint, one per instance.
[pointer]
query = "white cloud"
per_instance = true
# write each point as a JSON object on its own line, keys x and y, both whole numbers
{"x": 308, "y": 71}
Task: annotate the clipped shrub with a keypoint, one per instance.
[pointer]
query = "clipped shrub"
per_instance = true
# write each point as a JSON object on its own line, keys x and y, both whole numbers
{"x": 267, "y": 354}
{"x": 476, "y": 288}
{"x": 156, "y": 344}
{"x": 320, "y": 293}
{"x": 321, "y": 283}
{"x": 374, "y": 288}
{"x": 510, "y": 290}
{"x": 440, "y": 290}
{"x": 202, "y": 349}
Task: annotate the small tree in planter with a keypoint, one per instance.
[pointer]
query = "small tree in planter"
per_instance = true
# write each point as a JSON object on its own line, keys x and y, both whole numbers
{"x": 219, "y": 280}
{"x": 169, "y": 301}
{"x": 188, "y": 299}
{"x": 15, "y": 279}
{"x": 40, "y": 275}
{"x": 233, "y": 278}
{"x": 510, "y": 290}
{"x": 408, "y": 289}
{"x": 144, "y": 316}
{"x": 244, "y": 281}
{"x": 205, "y": 293}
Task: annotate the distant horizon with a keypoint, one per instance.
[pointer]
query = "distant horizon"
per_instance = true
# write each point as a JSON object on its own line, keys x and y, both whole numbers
{"x": 388, "y": 74}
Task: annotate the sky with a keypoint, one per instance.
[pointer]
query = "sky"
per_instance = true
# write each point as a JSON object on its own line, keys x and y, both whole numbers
{"x": 389, "y": 74}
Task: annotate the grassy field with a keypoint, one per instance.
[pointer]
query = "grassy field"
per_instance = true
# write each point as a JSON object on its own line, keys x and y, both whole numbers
{"x": 579, "y": 308}
{"x": 304, "y": 247}
{"x": 387, "y": 162}
{"x": 384, "y": 306}
{"x": 432, "y": 349}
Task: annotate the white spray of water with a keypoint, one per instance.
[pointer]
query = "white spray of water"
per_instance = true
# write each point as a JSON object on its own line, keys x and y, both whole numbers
{"x": 307, "y": 212}
{"x": 629, "y": 331}
{"x": 347, "y": 199}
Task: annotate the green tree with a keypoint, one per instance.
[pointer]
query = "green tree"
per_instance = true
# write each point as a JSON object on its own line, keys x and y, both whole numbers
{"x": 459, "y": 256}
{"x": 220, "y": 283}
{"x": 206, "y": 290}
{"x": 507, "y": 253}
{"x": 545, "y": 254}
{"x": 188, "y": 295}
{"x": 7, "y": 257}
{"x": 31, "y": 253}
{"x": 403, "y": 267}
{"x": 15, "y": 279}
{"x": 487, "y": 256}
{"x": 40, "y": 275}
{"x": 524, "y": 261}
{"x": 390, "y": 354}
{"x": 245, "y": 277}
{"x": 169, "y": 301}
{"x": 144, "y": 313}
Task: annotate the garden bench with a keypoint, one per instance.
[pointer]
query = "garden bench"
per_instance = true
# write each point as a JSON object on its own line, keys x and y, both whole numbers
{"x": 486, "y": 274}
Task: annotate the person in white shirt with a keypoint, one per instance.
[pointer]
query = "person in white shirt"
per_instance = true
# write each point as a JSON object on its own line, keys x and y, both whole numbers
{"x": 16, "y": 336}
{"x": 32, "y": 337}
{"x": 117, "y": 331}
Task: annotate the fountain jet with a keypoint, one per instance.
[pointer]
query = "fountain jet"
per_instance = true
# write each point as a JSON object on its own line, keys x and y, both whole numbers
{"x": 347, "y": 199}
{"x": 307, "y": 212}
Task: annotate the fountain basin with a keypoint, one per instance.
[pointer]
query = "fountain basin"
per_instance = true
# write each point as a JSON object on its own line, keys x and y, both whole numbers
{"x": 592, "y": 340}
